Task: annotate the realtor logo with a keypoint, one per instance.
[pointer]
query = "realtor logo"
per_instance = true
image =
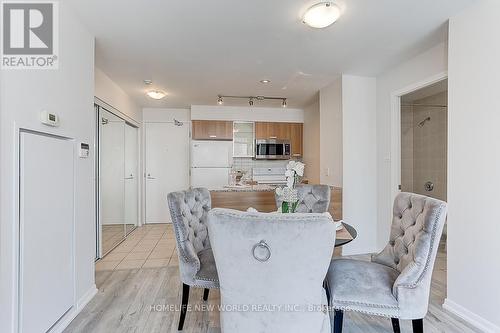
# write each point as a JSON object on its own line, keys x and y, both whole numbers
{"x": 29, "y": 35}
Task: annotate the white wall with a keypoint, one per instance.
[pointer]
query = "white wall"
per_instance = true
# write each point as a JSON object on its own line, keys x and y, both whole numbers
{"x": 69, "y": 92}
{"x": 165, "y": 115}
{"x": 110, "y": 93}
{"x": 207, "y": 112}
{"x": 330, "y": 109}
{"x": 426, "y": 65}
{"x": 311, "y": 142}
{"x": 359, "y": 194}
{"x": 474, "y": 164}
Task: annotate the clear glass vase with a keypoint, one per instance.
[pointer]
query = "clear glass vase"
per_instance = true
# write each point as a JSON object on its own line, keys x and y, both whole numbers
{"x": 288, "y": 207}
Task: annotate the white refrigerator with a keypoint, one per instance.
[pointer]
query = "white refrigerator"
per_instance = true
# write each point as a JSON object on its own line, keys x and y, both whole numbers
{"x": 211, "y": 163}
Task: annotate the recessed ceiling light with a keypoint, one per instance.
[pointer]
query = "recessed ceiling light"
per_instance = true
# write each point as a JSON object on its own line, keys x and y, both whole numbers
{"x": 265, "y": 81}
{"x": 148, "y": 82}
{"x": 156, "y": 94}
{"x": 321, "y": 15}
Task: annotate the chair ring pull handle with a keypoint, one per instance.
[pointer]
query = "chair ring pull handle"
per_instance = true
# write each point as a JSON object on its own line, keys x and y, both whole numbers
{"x": 261, "y": 245}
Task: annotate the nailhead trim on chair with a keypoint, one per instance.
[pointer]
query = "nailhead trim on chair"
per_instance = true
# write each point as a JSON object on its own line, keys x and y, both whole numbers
{"x": 295, "y": 216}
{"x": 381, "y": 306}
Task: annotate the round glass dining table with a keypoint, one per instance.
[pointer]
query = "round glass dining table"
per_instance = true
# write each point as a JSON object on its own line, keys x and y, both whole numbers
{"x": 344, "y": 241}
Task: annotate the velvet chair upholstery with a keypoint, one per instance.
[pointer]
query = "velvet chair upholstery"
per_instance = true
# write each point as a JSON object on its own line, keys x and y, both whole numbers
{"x": 312, "y": 199}
{"x": 300, "y": 247}
{"x": 189, "y": 210}
{"x": 396, "y": 283}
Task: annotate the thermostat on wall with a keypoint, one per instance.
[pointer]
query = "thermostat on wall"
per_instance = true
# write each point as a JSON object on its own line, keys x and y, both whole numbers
{"x": 50, "y": 119}
{"x": 84, "y": 150}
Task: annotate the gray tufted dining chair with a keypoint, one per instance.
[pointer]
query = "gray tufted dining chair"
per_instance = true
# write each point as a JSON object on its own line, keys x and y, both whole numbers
{"x": 396, "y": 283}
{"x": 189, "y": 210}
{"x": 312, "y": 198}
{"x": 258, "y": 269}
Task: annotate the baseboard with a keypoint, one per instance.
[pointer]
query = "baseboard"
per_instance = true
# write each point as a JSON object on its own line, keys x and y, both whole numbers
{"x": 470, "y": 317}
{"x": 74, "y": 311}
{"x": 86, "y": 298}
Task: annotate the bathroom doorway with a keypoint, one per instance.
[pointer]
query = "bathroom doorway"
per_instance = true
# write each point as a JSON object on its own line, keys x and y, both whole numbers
{"x": 424, "y": 133}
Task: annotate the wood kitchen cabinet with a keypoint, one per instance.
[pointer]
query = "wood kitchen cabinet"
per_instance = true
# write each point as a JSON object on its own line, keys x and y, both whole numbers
{"x": 281, "y": 131}
{"x": 266, "y": 130}
{"x": 212, "y": 130}
{"x": 296, "y": 138}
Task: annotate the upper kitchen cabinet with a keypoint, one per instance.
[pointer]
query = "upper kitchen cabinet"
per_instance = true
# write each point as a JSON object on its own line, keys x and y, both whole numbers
{"x": 266, "y": 130}
{"x": 212, "y": 130}
{"x": 281, "y": 131}
{"x": 243, "y": 139}
{"x": 296, "y": 137}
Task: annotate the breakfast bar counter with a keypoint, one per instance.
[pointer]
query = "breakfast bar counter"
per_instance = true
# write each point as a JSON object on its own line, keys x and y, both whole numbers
{"x": 261, "y": 197}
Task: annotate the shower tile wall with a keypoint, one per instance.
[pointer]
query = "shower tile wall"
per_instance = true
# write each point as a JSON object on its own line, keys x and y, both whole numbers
{"x": 427, "y": 144}
{"x": 407, "y": 149}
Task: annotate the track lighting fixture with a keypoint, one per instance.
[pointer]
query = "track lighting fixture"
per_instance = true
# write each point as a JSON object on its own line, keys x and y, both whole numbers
{"x": 252, "y": 99}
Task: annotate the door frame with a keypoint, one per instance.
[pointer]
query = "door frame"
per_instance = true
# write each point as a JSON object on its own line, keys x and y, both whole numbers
{"x": 396, "y": 127}
{"x": 143, "y": 164}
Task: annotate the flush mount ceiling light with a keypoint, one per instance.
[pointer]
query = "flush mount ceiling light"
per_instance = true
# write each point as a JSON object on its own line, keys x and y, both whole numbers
{"x": 156, "y": 94}
{"x": 321, "y": 15}
{"x": 265, "y": 81}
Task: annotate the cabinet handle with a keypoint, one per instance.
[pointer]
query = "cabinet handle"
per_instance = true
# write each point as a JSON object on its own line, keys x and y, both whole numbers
{"x": 296, "y": 155}
{"x": 213, "y": 136}
{"x": 273, "y": 137}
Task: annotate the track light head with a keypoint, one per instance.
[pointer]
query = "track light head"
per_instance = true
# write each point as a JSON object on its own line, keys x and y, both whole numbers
{"x": 283, "y": 103}
{"x": 250, "y": 102}
{"x": 220, "y": 101}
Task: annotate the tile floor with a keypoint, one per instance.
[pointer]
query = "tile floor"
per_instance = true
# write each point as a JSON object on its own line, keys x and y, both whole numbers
{"x": 149, "y": 246}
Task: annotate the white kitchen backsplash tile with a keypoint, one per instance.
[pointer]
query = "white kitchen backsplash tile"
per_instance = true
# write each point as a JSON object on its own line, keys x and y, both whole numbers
{"x": 246, "y": 164}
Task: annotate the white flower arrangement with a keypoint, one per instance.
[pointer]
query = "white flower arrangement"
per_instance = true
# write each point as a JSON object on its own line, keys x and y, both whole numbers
{"x": 294, "y": 172}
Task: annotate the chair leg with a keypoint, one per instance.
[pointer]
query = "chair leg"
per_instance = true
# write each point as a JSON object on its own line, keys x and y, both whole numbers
{"x": 337, "y": 321}
{"x": 327, "y": 291}
{"x": 395, "y": 325}
{"x": 185, "y": 299}
{"x": 205, "y": 294}
{"x": 418, "y": 325}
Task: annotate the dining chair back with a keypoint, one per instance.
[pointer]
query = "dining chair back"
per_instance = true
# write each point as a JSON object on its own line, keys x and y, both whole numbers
{"x": 312, "y": 198}
{"x": 271, "y": 270}
{"x": 188, "y": 210}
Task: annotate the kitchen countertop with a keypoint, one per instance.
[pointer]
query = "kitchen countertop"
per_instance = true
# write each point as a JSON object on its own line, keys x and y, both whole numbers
{"x": 244, "y": 188}
{"x": 251, "y": 188}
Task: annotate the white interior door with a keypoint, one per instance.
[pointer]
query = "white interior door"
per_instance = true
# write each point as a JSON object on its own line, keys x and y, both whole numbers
{"x": 46, "y": 267}
{"x": 167, "y": 167}
{"x": 131, "y": 181}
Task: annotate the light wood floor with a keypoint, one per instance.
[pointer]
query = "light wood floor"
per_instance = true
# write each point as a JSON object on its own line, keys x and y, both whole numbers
{"x": 127, "y": 298}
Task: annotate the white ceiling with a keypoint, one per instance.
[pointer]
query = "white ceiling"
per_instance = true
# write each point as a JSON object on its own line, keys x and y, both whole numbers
{"x": 197, "y": 49}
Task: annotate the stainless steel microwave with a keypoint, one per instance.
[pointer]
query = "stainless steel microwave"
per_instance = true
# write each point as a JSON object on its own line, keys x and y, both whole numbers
{"x": 272, "y": 149}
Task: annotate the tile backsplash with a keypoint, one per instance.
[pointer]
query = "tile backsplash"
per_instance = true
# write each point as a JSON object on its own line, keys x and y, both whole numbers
{"x": 246, "y": 164}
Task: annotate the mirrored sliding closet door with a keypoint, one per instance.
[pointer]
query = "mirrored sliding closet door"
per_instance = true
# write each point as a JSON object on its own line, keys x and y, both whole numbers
{"x": 118, "y": 183}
